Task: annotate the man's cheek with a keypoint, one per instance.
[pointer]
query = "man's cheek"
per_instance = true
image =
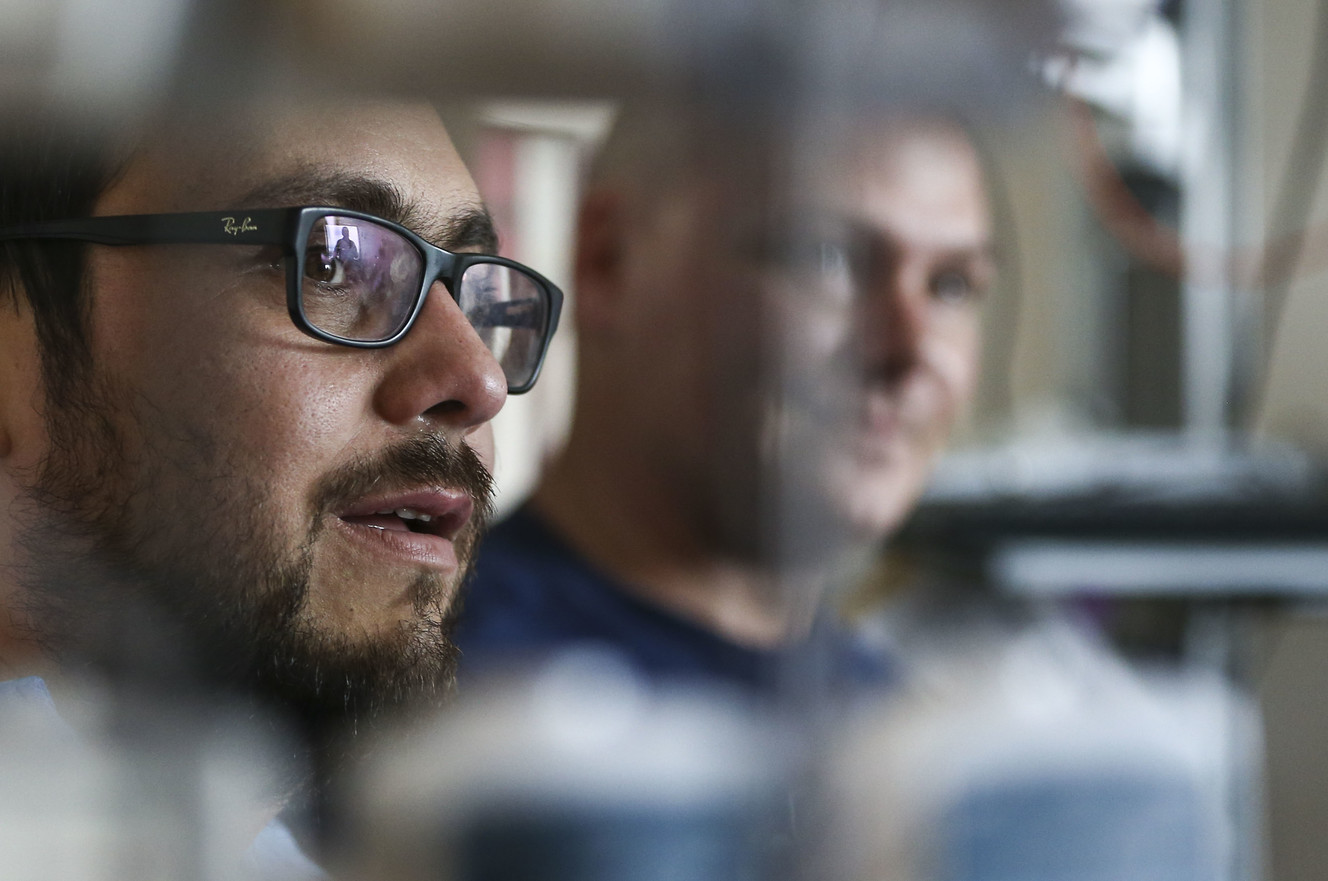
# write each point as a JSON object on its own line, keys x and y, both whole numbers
{"x": 482, "y": 442}
{"x": 950, "y": 365}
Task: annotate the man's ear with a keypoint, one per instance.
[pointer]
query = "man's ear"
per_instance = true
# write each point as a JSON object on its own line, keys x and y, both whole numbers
{"x": 600, "y": 259}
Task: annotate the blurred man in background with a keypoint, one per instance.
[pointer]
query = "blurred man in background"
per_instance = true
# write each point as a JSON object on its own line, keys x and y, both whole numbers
{"x": 233, "y": 463}
{"x": 775, "y": 338}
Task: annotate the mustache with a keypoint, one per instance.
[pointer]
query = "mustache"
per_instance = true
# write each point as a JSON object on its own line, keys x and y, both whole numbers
{"x": 428, "y": 460}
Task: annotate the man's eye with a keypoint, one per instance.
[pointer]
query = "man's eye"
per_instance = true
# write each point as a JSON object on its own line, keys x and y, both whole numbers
{"x": 954, "y": 286}
{"x": 323, "y": 268}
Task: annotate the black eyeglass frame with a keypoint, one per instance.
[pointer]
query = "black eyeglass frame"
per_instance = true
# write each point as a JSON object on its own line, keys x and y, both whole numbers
{"x": 290, "y": 228}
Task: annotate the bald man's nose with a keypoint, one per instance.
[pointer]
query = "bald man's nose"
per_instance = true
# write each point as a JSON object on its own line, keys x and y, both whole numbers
{"x": 894, "y": 325}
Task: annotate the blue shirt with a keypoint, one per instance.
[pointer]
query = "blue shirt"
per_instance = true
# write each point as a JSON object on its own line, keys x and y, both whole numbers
{"x": 533, "y": 595}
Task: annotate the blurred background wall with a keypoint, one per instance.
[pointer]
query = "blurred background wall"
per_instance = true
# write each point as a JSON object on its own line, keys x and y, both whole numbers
{"x": 1285, "y": 42}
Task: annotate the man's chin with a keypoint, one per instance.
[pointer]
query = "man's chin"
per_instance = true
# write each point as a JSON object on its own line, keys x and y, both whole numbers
{"x": 873, "y": 503}
{"x": 358, "y": 676}
{"x": 366, "y": 609}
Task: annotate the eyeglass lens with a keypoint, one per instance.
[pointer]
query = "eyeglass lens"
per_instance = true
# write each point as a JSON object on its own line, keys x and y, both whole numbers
{"x": 361, "y": 281}
{"x": 510, "y": 312}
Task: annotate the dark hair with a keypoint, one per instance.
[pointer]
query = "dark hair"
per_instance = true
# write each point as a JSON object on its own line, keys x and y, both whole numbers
{"x": 51, "y": 171}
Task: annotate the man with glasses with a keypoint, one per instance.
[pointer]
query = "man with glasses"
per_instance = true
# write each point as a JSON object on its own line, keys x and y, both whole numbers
{"x": 233, "y": 459}
{"x": 773, "y": 343}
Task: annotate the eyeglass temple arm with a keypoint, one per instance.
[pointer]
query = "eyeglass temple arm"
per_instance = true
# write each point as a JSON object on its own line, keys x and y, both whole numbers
{"x": 265, "y": 227}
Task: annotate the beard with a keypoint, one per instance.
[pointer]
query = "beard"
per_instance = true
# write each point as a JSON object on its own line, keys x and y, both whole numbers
{"x": 154, "y": 562}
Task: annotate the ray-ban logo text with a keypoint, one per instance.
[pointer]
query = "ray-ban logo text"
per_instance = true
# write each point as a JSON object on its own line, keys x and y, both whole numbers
{"x": 233, "y": 228}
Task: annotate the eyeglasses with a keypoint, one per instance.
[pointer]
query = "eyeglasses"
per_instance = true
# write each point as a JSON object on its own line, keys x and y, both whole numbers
{"x": 357, "y": 280}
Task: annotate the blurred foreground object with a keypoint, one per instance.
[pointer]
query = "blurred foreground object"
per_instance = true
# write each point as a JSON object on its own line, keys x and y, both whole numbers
{"x": 131, "y": 790}
{"x": 107, "y": 58}
{"x": 823, "y": 50}
{"x": 580, "y": 773}
{"x": 100, "y": 61}
{"x": 1034, "y": 755}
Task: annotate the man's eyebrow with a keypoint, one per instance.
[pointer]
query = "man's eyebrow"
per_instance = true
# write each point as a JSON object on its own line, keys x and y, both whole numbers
{"x": 987, "y": 250}
{"x": 470, "y": 227}
{"x": 338, "y": 189}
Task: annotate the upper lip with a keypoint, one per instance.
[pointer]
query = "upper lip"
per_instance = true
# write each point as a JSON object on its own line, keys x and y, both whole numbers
{"x": 442, "y": 512}
{"x": 881, "y": 408}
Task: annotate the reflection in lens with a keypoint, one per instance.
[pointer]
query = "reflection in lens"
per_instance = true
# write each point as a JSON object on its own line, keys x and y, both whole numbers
{"x": 509, "y": 310}
{"x": 360, "y": 279}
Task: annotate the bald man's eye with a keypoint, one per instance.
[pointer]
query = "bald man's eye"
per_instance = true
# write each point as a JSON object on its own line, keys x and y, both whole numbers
{"x": 955, "y": 286}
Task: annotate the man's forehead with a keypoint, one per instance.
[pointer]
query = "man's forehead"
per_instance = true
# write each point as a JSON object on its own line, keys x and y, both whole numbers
{"x": 923, "y": 179}
{"x": 261, "y": 157}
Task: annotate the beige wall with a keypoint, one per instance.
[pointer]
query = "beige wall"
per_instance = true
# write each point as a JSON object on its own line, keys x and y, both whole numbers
{"x": 543, "y": 147}
{"x": 1295, "y": 399}
{"x": 1293, "y": 675}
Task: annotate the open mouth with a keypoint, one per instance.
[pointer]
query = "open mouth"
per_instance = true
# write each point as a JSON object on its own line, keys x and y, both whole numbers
{"x": 439, "y": 513}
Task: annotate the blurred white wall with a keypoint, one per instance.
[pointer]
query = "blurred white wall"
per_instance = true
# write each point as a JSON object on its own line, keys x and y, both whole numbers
{"x": 1280, "y": 42}
{"x": 1293, "y": 675}
{"x": 528, "y": 158}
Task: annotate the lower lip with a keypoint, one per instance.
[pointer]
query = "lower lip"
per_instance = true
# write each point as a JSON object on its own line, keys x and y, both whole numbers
{"x": 403, "y": 546}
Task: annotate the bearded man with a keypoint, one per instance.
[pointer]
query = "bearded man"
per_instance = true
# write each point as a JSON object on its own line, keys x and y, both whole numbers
{"x": 232, "y": 462}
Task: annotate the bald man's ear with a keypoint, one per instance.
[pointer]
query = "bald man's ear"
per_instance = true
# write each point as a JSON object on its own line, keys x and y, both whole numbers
{"x": 599, "y": 264}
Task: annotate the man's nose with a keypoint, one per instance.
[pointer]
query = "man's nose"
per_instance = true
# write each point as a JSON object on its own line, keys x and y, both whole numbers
{"x": 441, "y": 372}
{"x": 894, "y": 323}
